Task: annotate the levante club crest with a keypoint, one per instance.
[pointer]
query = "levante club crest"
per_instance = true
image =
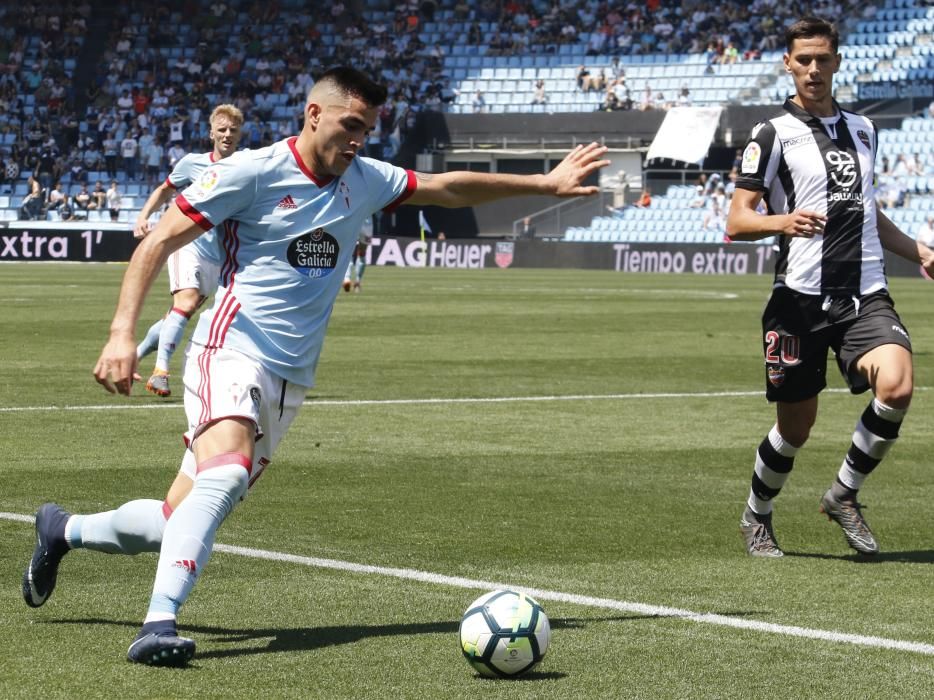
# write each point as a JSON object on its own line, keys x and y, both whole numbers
{"x": 504, "y": 252}
{"x": 776, "y": 375}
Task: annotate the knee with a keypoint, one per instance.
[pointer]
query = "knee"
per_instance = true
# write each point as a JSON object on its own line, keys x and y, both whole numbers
{"x": 224, "y": 485}
{"x": 797, "y": 435}
{"x": 796, "y": 431}
{"x": 895, "y": 389}
{"x": 187, "y": 300}
{"x": 186, "y": 305}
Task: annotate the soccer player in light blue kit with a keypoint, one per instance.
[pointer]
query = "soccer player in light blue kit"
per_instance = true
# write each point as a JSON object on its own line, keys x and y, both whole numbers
{"x": 193, "y": 270}
{"x": 289, "y": 217}
{"x": 353, "y": 278}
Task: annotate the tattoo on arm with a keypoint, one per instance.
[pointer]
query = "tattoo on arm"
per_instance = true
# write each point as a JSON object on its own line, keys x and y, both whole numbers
{"x": 424, "y": 177}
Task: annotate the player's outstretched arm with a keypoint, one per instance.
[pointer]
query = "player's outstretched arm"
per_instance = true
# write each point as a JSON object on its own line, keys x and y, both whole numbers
{"x": 744, "y": 223}
{"x": 460, "y": 188}
{"x": 117, "y": 364}
{"x": 159, "y": 196}
{"x": 894, "y": 240}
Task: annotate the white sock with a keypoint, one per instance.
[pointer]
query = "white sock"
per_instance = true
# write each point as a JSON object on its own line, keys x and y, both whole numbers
{"x": 189, "y": 535}
{"x": 151, "y": 341}
{"x": 132, "y": 528}
{"x": 170, "y": 337}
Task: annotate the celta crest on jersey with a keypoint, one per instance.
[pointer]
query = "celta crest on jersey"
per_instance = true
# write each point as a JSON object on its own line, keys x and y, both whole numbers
{"x": 314, "y": 254}
{"x": 344, "y": 189}
{"x": 255, "y": 396}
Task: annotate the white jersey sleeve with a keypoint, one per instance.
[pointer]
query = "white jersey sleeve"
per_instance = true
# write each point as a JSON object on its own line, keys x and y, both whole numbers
{"x": 183, "y": 173}
{"x": 222, "y": 191}
{"x": 388, "y": 185}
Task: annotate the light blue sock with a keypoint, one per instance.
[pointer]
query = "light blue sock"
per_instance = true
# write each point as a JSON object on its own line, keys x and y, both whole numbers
{"x": 150, "y": 342}
{"x": 361, "y": 266}
{"x": 189, "y": 535}
{"x": 132, "y": 528}
{"x": 170, "y": 337}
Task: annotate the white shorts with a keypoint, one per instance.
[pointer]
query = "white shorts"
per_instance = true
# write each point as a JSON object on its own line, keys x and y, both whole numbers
{"x": 228, "y": 384}
{"x": 189, "y": 270}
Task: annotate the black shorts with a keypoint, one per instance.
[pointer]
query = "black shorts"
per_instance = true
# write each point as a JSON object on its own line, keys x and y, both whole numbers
{"x": 799, "y": 329}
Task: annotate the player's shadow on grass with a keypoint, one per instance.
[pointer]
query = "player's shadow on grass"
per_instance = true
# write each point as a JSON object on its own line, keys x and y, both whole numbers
{"x": 279, "y": 639}
{"x": 918, "y": 556}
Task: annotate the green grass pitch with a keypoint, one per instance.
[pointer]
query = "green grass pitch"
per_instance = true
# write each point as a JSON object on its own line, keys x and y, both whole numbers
{"x": 624, "y": 482}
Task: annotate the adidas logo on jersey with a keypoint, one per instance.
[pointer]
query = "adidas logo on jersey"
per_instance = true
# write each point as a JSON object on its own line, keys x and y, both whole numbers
{"x": 287, "y": 203}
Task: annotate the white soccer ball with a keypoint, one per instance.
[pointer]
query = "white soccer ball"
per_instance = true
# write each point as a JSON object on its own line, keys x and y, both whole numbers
{"x": 504, "y": 633}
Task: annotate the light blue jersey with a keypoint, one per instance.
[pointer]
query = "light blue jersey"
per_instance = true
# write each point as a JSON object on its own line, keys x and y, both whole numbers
{"x": 286, "y": 236}
{"x": 185, "y": 172}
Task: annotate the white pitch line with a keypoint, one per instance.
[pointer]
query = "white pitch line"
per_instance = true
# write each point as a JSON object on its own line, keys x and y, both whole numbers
{"x": 416, "y": 402}
{"x": 17, "y": 517}
{"x": 573, "y": 598}
{"x": 587, "y": 601}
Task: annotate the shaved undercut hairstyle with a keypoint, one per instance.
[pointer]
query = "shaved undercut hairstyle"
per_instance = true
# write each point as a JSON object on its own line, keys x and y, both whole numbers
{"x": 350, "y": 81}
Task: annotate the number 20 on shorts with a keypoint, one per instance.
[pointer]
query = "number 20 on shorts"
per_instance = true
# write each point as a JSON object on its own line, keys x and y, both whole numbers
{"x": 782, "y": 349}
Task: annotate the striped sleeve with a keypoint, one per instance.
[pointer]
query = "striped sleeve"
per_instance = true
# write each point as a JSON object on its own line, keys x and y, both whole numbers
{"x": 760, "y": 158}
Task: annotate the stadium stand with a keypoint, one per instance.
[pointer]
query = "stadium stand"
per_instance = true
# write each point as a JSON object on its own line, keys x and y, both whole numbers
{"x": 75, "y": 77}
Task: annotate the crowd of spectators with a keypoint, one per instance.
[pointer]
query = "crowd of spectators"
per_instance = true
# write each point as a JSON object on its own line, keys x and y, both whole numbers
{"x": 892, "y": 183}
{"x": 724, "y": 31}
{"x": 141, "y": 108}
{"x": 37, "y": 42}
{"x": 130, "y": 109}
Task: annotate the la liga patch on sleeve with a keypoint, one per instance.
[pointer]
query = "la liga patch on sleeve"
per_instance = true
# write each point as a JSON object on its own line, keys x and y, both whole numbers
{"x": 207, "y": 182}
{"x": 751, "y": 158}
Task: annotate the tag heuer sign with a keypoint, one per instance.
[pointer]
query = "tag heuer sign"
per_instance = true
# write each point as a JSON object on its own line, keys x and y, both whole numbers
{"x": 504, "y": 250}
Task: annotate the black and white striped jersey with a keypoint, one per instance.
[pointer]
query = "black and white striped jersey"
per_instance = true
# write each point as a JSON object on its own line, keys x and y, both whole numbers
{"x": 825, "y": 165}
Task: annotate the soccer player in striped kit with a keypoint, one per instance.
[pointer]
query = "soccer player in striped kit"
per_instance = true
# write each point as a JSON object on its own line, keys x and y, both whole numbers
{"x": 289, "y": 215}
{"x": 814, "y": 167}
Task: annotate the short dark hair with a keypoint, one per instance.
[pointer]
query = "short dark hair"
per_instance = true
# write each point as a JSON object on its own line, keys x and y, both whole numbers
{"x": 810, "y": 27}
{"x": 357, "y": 83}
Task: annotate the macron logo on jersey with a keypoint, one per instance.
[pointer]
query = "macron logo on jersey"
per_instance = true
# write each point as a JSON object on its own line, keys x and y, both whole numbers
{"x": 287, "y": 203}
